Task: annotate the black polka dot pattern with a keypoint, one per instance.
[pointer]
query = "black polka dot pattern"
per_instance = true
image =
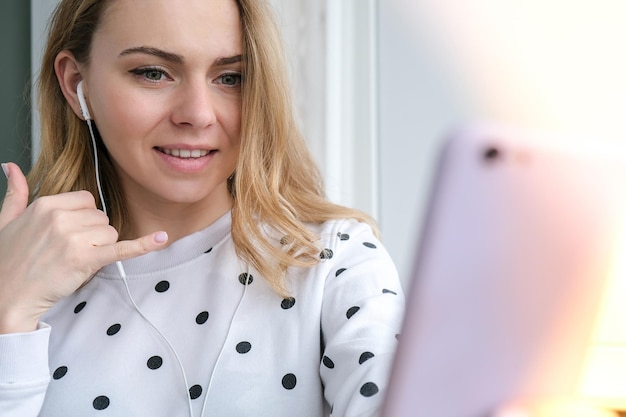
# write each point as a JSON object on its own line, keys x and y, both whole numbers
{"x": 340, "y": 271}
{"x": 352, "y": 311}
{"x": 289, "y": 381}
{"x": 80, "y": 307}
{"x": 202, "y": 317}
{"x": 328, "y": 362}
{"x": 114, "y": 329}
{"x": 162, "y": 286}
{"x": 155, "y": 362}
{"x": 59, "y": 372}
{"x": 365, "y": 356}
{"x": 246, "y": 279}
{"x": 195, "y": 392}
{"x": 243, "y": 347}
{"x": 288, "y": 303}
{"x": 101, "y": 402}
{"x": 369, "y": 389}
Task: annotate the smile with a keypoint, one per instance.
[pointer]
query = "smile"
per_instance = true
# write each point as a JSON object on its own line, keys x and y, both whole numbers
{"x": 185, "y": 153}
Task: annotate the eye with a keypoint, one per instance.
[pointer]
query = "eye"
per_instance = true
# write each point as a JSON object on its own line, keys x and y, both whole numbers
{"x": 151, "y": 74}
{"x": 231, "y": 79}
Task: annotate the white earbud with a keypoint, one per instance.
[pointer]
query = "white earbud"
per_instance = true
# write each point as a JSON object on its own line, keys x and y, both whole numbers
{"x": 82, "y": 101}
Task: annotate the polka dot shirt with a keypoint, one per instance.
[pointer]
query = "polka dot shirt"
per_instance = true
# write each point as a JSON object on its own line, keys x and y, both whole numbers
{"x": 326, "y": 350}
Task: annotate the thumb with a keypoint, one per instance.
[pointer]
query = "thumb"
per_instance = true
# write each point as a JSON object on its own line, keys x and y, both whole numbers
{"x": 126, "y": 249}
{"x": 16, "y": 198}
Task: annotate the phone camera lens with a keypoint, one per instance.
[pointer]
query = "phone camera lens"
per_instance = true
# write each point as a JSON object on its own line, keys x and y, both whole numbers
{"x": 491, "y": 154}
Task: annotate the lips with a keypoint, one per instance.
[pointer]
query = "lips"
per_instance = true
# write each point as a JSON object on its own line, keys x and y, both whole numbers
{"x": 186, "y": 153}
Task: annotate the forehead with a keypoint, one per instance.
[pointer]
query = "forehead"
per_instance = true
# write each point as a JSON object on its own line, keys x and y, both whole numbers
{"x": 203, "y": 26}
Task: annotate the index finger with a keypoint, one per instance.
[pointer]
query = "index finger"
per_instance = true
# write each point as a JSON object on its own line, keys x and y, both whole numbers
{"x": 127, "y": 249}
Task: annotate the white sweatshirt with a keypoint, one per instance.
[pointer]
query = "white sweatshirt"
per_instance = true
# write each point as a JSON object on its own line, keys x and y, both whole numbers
{"x": 245, "y": 351}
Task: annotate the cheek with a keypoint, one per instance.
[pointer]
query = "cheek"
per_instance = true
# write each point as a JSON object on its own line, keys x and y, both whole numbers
{"x": 231, "y": 119}
{"x": 121, "y": 118}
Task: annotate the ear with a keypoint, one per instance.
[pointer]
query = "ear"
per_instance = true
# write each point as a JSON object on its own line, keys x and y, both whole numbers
{"x": 68, "y": 74}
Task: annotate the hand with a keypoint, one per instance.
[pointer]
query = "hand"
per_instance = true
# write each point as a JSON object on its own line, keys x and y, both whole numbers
{"x": 52, "y": 247}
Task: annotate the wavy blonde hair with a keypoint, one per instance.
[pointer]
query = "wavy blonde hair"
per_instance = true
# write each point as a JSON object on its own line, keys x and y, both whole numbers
{"x": 276, "y": 183}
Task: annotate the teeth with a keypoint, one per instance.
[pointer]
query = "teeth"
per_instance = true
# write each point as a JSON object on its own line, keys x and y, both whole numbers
{"x": 185, "y": 153}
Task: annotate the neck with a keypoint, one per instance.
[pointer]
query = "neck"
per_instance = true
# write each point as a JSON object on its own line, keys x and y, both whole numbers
{"x": 177, "y": 219}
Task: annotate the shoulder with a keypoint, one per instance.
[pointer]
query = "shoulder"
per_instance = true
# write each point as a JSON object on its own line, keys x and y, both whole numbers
{"x": 347, "y": 234}
{"x": 343, "y": 230}
{"x": 349, "y": 243}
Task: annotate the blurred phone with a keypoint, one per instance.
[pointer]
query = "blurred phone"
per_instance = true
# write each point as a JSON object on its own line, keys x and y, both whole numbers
{"x": 518, "y": 242}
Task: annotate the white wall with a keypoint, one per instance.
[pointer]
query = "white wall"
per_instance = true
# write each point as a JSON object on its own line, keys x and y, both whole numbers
{"x": 419, "y": 101}
{"x": 303, "y": 26}
{"x": 331, "y": 49}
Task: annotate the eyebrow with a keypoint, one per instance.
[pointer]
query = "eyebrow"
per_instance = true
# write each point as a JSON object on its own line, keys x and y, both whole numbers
{"x": 228, "y": 60}
{"x": 175, "y": 58}
{"x": 168, "y": 56}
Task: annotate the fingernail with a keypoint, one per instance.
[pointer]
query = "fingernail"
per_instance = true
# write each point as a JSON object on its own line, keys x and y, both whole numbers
{"x": 5, "y": 169}
{"x": 160, "y": 237}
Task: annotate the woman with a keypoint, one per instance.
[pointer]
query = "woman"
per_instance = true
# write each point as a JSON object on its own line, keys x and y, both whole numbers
{"x": 242, "y": 291}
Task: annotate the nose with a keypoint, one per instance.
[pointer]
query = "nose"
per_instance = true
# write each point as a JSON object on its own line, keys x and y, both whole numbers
{"x": 194, "y": 105}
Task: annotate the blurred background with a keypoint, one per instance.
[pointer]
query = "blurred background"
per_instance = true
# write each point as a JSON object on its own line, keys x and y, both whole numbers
{"x": 379, "y": 84}
{"x": 15, "y": 114}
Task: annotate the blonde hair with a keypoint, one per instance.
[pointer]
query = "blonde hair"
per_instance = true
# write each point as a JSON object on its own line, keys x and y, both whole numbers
{"x": 277, "y": 189}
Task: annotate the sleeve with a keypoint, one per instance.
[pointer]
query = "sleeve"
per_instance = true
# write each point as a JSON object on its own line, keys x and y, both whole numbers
{"x": 362, "y": 314}
{"x": 24, "y": 372}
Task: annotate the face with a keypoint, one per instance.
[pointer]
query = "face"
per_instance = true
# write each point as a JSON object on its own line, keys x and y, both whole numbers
{"x": 164, "y": 87}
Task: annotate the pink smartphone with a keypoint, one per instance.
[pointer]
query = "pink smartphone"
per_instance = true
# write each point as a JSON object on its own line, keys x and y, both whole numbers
{"x": 518, "y": 241}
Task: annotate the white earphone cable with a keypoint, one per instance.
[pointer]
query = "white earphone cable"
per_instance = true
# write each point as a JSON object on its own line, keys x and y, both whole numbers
{"x": 122, "y": 273}
{"x": 219, "y": 356}
{"x": 96, "y": 166}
